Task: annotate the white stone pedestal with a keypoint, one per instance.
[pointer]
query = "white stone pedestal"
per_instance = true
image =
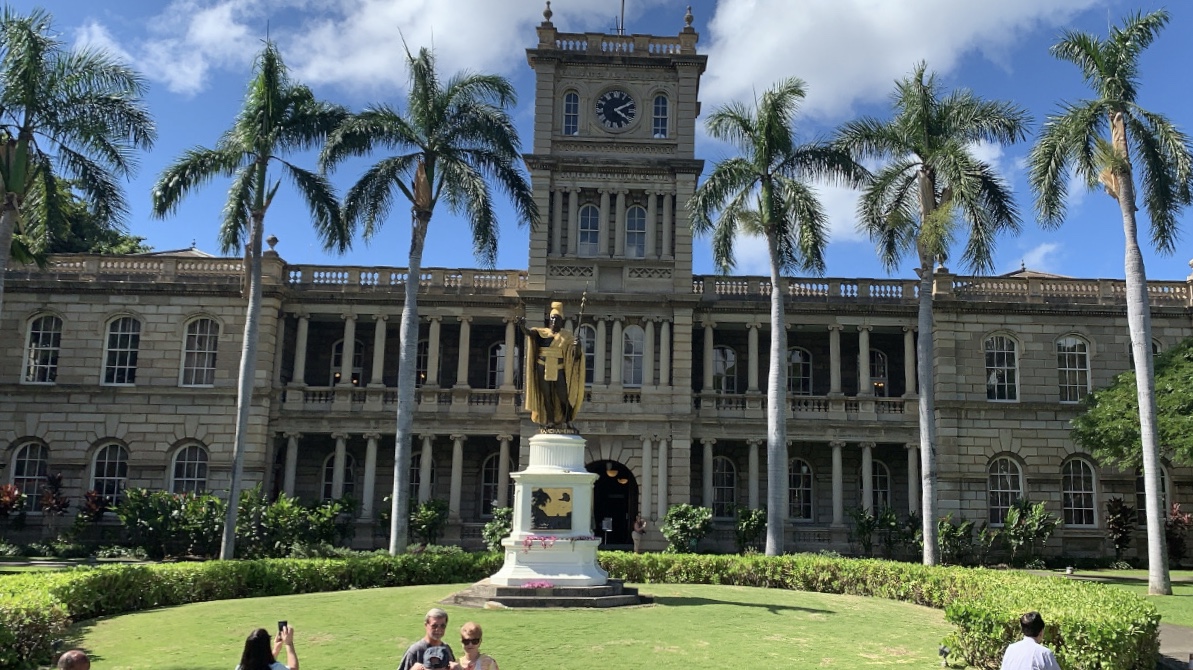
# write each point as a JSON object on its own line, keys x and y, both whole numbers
{"x": 552, "y": 539}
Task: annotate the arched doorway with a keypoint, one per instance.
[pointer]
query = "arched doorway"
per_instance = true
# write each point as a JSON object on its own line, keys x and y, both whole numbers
{"x": 615, "y": 499}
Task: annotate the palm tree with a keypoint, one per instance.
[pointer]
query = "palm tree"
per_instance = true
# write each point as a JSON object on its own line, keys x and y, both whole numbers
{"x": 930, "y": 185}
{"x": 278, "y": 116}
{"x": 454, "y": 138}
{"x": 765, "y": 190}
{"x": 74, "y": 115}
{"x": 1076, "y": 139}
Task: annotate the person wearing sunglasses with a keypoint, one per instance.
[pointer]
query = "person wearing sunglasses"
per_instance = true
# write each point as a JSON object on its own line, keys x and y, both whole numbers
{"x": 470, "y": 638}
{"x": 431, "y": 652}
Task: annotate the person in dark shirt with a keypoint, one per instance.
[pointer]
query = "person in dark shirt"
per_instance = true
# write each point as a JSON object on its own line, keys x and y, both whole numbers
{"x": 431, "y": 652}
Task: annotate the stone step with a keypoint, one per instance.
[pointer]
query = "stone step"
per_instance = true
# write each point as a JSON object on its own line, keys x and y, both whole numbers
{"x": 598, "y": 602}
{"x": 613, "y": 594}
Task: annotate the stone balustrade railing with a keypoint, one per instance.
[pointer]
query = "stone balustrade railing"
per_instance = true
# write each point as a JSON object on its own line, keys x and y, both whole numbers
{"x": 636, "y": 45}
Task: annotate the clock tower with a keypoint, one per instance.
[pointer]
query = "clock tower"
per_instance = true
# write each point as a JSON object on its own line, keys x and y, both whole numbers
{"x": 614, "y": 160}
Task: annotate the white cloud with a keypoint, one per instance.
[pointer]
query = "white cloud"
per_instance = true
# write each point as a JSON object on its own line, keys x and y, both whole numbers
{"x": 1042, "y": 257}
{"x": 851, "y": 51}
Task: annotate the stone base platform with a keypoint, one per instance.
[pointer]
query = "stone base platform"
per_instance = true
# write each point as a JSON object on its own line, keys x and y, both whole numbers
{"x": 613, "y": 594}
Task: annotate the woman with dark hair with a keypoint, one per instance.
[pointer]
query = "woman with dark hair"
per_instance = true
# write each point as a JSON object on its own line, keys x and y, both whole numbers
{"x": 258, "y": 656}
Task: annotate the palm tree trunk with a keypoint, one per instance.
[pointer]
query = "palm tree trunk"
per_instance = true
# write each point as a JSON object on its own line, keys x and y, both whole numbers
{"x": 247, "y": 374}
{"x": 399, "y": 519}
{"x": 1139, "y": 320}
{"x": 776, "y": 409}
{"x": 8, "y": 226}
{"x": 925, "y": 355}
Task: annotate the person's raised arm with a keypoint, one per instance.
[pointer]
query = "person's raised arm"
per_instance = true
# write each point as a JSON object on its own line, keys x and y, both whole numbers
{"x": 287, "y": 636}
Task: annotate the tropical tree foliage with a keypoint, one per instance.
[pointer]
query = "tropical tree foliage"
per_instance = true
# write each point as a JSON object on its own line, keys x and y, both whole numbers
{"x": 931, "y": 189}
{"x": 766, "y": 191}
{"x": 78, "y": 230}
{"x": 65, "y": 114}
{"x": 1105, "y": 139}
{"x": 279, "y": 116}
{"x": 454, "y": 138}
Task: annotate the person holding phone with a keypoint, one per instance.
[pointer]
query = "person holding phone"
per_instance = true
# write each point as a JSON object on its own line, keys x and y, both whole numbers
{"x": 431, "y": 652}
{"x": 258, "y": 655}
{"x": 470, "y": 639}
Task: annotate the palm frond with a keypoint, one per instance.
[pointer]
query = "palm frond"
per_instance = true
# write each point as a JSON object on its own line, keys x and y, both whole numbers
{"x": 195, "y": 168}
{"x": 238, "y": 209}
{"x": 728, "y": 180}
{"x": 321, "y": 200}
{"x": 1067, "y": 142}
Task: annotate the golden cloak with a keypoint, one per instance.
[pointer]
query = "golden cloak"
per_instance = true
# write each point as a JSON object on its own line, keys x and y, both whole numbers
{"x": 570, "y": 372}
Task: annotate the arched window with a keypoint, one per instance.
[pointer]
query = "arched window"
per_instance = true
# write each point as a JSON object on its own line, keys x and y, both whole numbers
{"x": 587, "y": 337}
{"x": 1141, "y": 496}
{"x": 635, "y": 232}
{"x": 571, "y": 113}
{"x": 30, "y": 465}
{"x": 120, "y": 351}
{"x": 724, "y": 371}
{"x": 1002, "y": 368}
{"x": 490, "y": 486}
{"x": 329, "y": 475}
{"x": 198, "y": 352}
{"x": 878, "y": 373}
{"x": 799, "y": 371}
{"x": 41, "y": 350}
{"x": 416, "y": 461}
{"x": 799, "y": 490}
{"x": 1072, "y": 368}
{"x": 633, "y": 339}
{"x": 190, "y": 470}
{"x": 724, "y": 488}
{"x": 659, "y": 127}
{"x": 1005, "y": 487}
{"x": 497, "y": 365}
{"x": 1077, "y": 493}
{"x": 590, "y": 231}
{"x": 337, "y": 361}
{"x": 109, "y": 473}
{"x": 1156, "y": 349}
{"x": 880, "y": 484}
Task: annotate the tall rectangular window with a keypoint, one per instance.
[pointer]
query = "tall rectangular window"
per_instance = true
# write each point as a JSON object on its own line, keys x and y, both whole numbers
{"x": 635, "y": 232}
{"x": 120, "y": 355}
{"x": 41, "y": 354}
{"x": 660, "y": 117}
{"x": 1072, "y": 368}
{"x": 590, "y": 231}
{"x": 1002, "y": 369}
{"x": 571, "y": 113}
{"x": 198, "y": 358}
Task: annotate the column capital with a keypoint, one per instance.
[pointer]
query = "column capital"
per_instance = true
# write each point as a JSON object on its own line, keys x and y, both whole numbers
{"x": 299, "y": 313}
{"x": 292, "y": 436}
{"x": 866, "y": 445}
{"x": 458, "y": 437}
{"x": 708, "y": 441}
{"x": 348, "y": 315}
{"x": 910, "y": 329}
{"x": 432, "y": 317}
{"x": 835, "y": 326}
{"x": 339, "y": 436}
{"x": 505, "y": 437}
{"x": 837, "y": 444}
{"x": 865, "y": 328}
{"x": 381, "y": 317}
{"x": 751, "y": 325}
{"x": 464, "y": 318}
{"x": 708, "y": 322}
{"x": 427, "y": 436}
{"x": 372, "y": 436}
{"x": 755, "y": 441}
{"x": 912, "y": 446}
{"x": 509, "y": 319}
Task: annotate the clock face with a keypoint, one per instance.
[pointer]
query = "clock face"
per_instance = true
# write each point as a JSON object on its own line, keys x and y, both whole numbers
{"x": 616, "y": 109}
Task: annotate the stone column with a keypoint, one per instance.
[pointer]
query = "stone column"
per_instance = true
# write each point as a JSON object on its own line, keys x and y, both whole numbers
{"x": 348, "y": 351}
{"x": 598, "y": 357}
{"x": 573, "y": 221}
{"x": 648, "y": 353}
{"x": 864, "y": 386}
{"x": 300, "y": 351}
{"x": 603, "y": 242}
{"x": 838, "y": 484}
{"x": 291, "y": 463}
{"x": 557, "y": 222}
{"x": 619, "y": 226}
{"x": 338, "y": 465}
{"x": 424, "y": 469}
{"x": 457, "y": 484}
{"x": 834, "y": 359}
{"x": 618, "y": 353}
{"x": 708, "y": 492}
{"x": 868, "y": 477}
{"x": 661, "y": 508}
{"x": 752, "y": 371}
{"x": 706, "y": 387}
{"x": 377, "y": 378}
{"x": 752, "y": 486}
{"x": 433, "y": 352}
{"x": 909, "y": 376}
{"x": 465, "y": 345}
{"x": 647, "y": 473}
{"x": 370, "y": 485}
{"x": 665, "y": 354}
{"x": 667, "y": 232}
{"x": 913, "y": 478}
{"x": 651, "y": 215}
{"x": 503, "y": 471}
{"x": 511, "y": 359}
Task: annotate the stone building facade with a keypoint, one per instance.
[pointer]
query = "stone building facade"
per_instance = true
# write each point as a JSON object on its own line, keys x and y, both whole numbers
{"x": 121, "y": 371}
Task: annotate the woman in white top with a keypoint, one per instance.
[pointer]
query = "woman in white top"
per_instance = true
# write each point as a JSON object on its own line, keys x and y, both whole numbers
{"x": 473, "y": 659}
{"x": 258, "y": 656}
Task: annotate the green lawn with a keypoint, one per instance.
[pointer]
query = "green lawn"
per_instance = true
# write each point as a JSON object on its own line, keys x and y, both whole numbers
{"x": 690, "y": 626}
{"x": 1176, "y": 608}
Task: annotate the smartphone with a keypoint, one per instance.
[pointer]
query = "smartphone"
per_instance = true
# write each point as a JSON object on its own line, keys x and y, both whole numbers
{"x": 282, "y": 626}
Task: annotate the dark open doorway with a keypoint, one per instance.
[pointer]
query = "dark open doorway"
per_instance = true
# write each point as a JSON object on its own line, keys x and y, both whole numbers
{"x": 615, "y": 501}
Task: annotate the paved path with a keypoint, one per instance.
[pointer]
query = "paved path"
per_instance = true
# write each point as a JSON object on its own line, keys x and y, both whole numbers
{"x": 1176, "y": 645}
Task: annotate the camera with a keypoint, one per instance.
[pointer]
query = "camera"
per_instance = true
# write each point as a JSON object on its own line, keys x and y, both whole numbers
{"x": 435, "y": 658}
{"x": 282, "y": 625}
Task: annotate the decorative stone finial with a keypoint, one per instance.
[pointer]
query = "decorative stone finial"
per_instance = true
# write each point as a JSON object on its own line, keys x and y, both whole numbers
{"x": 547, "y": 13}
{"x": 272, "y": 241}
{"x": 687, "y": 18}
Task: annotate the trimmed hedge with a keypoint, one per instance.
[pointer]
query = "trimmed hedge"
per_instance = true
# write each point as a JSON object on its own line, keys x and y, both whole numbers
{"x": 1091, "y": 626}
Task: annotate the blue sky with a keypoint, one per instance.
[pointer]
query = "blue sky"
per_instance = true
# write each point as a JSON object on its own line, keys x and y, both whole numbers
{"x": 197, "y": 57}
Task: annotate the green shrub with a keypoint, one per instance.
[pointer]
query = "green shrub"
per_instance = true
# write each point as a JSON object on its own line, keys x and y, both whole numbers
{"x": 499, "y": 528}
{"x": 1027, "y": 527}
{"x": 266, "y": 529}
{"x": 1176, "y": 527}
{"x": 428, "y": 520}
{"x": 751, "y": 524}
{"x": 1120, "y": 525}
{"x": 862, "y": 530}
{"x": 684, "y": 526}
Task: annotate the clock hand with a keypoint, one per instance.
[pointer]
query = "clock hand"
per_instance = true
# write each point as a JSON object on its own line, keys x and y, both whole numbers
{"x": 621, "y": 110}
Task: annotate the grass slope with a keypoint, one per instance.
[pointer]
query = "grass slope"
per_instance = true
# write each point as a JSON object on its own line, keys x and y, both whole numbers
{"x": 1175, "y": 609}
{"x": 691, "y": 626}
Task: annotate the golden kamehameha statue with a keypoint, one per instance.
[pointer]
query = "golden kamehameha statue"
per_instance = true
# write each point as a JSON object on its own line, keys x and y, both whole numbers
{"x": 555, "y": 387}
